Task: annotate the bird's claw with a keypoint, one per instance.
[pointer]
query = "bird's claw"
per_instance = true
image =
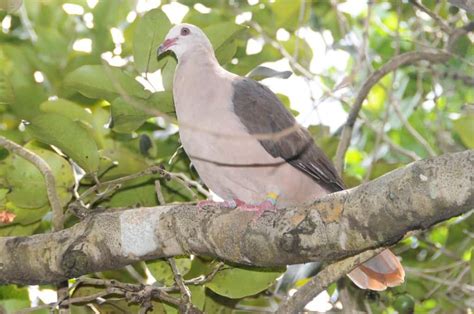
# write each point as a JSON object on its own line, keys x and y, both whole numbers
{"x": 259, "y": 209}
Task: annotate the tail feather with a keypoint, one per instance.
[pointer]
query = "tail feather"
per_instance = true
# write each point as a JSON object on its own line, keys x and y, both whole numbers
{"x": 378, "y": 273}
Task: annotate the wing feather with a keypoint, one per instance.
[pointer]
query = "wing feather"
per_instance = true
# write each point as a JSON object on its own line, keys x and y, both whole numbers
{"x": 261, "y": 112}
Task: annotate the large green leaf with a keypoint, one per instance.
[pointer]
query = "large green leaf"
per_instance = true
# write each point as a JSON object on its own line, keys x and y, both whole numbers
{"x": 150, "y": 31}
{"x": 464, "y": 126}
{"x": 198, "y": 298}
{"x": 134, "y": 196}
{"x": 28, "y": 189}
{"x": 261, "y": 73}
{"x": 161, "y": 269}
{"x": 287, "y": 14}
{"x": 222, "y": 33}
{"x": 14, "y": 298}
{"x": 239, "y": 282}
{"x": 104, "y": 82}
{"x": 19, "y": 230}
{"x": 68, "y": 109}
{"x": 67, "y": 135}
{"x": 6, "y": 90}
{"x": 126, "y": 160}
{"x": 226, "y": 52}
{"x": 130, "y": 113}
{"x": 26, "y": 216}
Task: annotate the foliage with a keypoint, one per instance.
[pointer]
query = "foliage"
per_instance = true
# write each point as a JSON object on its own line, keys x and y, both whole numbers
{"x": 96, "y": 110}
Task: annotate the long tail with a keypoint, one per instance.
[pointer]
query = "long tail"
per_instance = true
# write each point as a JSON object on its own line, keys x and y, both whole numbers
{"x": 378, "y": 273}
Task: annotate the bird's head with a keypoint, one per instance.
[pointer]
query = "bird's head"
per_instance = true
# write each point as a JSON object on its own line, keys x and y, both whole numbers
{"x": 183, "y": 38}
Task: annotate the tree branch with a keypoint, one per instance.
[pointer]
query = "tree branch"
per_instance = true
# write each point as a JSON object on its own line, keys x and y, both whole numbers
{"x": 320, "y": 282}
{"x": 395, "y": 63}
{"x": 376, "y": 214}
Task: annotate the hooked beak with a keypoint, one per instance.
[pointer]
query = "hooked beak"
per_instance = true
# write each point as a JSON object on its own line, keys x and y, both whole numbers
{"x": 166, "y": 45}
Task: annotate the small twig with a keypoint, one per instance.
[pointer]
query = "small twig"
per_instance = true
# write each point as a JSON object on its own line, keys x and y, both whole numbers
{"x": 320, "y": 282}
{"x": 188, "y": 182}
{"x": 381, "y": 132}
{"x": 300, "y": 21}
{"x": 203, "y": 279}
{"x": 25, "y": 21}
{"x": 395, "y": 63}
{"x": 442, "y": 24}
{"x": 469, "y": 289}
{"x": 413, "y": 132}
{"x": 186, "y": 304}
{"x": 159, "y": 193}
{"x": 394, "y": 146}
{"x": 134, "y": 292}
{"x": 153, "y": 170}
{"x": 96, "y": 187}
{"x": 84, "y": 299}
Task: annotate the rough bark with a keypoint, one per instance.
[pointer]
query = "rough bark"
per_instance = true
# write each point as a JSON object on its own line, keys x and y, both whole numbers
{"x": 337, "y": 226}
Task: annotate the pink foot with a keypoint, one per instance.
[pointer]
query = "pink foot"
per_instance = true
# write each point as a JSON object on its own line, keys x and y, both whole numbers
{"x": 225, "y": 204}
{"x": 259, "y": 209}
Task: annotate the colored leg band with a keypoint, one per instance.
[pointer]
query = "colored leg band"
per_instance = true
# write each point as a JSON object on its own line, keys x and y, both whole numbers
{"x": 272, "y": 197}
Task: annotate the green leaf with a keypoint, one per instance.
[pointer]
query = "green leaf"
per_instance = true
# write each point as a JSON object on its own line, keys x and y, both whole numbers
{"x": 27, "y": 100}
{"x": 13, "y": 298}
{"x": 26, "y": 216}
{"x": 68, "y": 109}
{"x": 67, "y": 135}
{"x": 198, "y": 298}
{"x": 239, "y": 282}
{"x": 127, "y": 162}
{"x": 472, "y": 265}
{"x": 104, "y": 82}
{"x": 287, "y": 14}
{"x": 216, "y": 304}
{"x": 28, "y": 189}
{"x": 129, "y": 114}
{"x": 222, "y": 33}
{"x": 261, "y": 72}
{"x": 464, "y": 126}
{"x": 19, "y": 230}
{"x": 161, "y": 269}
{"x": 134, "y": 196}
{"x": 6, "y": 91}
{"x": 225, "y": 52}
{"x": 150, "y": 31}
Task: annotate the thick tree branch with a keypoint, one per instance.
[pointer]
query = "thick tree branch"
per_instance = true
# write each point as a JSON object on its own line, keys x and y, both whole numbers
{"x": 335, "y": 227}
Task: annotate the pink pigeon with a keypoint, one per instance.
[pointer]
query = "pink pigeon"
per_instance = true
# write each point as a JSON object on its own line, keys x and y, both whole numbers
{"x": 247, "y": 147}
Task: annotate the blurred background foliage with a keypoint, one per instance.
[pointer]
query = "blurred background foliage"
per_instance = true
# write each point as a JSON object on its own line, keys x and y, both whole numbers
{"x": 82, "y": 76}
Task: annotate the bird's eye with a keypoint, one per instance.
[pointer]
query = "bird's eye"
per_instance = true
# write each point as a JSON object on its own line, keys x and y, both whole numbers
{"x": 185, "y": 31}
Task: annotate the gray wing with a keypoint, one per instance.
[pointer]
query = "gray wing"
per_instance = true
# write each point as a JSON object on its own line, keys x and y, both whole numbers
{"x": 261, "y": 112}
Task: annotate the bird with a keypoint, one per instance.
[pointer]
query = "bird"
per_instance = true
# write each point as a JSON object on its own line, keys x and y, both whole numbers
{"x": 248, "y": 148}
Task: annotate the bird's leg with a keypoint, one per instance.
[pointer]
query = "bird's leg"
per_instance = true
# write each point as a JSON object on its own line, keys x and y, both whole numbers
{"x": 225, "y": 204}
{"x": 268, "y": 205}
